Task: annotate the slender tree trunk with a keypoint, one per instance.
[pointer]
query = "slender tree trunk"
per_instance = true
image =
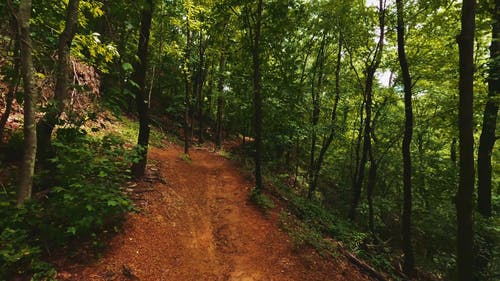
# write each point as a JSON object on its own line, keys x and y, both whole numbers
{"x": 329, "y": 138}
{"x": 372, "y": 179}
{"x": 488, "y": 136}
{"x": 187, "y": 103}
{"x": 368, "y": 93}
{"x": 220, "y": 102}
{"x": 453, "y": 151}
{"x": 141, "y": 94}
{"x": 257, "y": 99}
{"x": 408, "y": 260}
{"x": 48, "y": 122}
{"x": 316, "y": 110}
{"x": 486, "y": 144}
{"x": 30, "y": 99}
{"x": 464, "y": 199}
{"x": 359, "y": 138}
{"x": 199, "y": 91}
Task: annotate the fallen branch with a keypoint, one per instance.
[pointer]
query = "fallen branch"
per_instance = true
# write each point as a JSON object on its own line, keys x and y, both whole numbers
{"x": 364, "y": 266}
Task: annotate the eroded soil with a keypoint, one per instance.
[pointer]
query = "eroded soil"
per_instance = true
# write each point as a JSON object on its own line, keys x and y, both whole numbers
{"x": 197, "y": 225}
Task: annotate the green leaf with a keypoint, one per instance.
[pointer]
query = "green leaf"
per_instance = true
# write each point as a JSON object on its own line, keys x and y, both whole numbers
{"x": 127, "y": 67}
{"x": 71, "y": 230}
{"x": 112, "y": 203}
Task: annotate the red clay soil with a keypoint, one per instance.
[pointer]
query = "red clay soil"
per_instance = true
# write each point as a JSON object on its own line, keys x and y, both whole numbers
{"x": 199, "y": 226}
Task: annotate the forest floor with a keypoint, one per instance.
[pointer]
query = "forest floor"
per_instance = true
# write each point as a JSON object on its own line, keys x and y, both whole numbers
{"x": 196, "y": 223}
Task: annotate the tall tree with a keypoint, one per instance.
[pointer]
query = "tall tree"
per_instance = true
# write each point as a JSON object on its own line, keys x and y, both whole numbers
{"x": 487, "y": 141}
{"x": 316, "y": 88}
{"x": 488, "y": 137}
{"x": 220, "y": 102}
{"x": 187, "y": 86}
{"x": 328, "y": 140}
{"x": 257, "y": 97}
{"x": 141, "y": 92}
{"x": 48, "y": 122}
{"x": 30, "y": 99}
{"x": 408, "y": 262}
{"x": 371, "y": 68}
{"x": 464, "y": 199}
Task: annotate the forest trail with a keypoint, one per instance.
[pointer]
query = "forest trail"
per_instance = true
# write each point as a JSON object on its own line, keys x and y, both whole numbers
{"x": 198, "y": 225}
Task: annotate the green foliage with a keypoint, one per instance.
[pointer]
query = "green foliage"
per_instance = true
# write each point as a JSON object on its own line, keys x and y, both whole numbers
{"x": 186, "y": 158}
{"x": 226, "y": 154}
{"x": 303, "y": 235}
{"x": 14, "y": 146}
{"x": 262, "y": 201}
{"x": 83, "y": 198}
{"x": 86, "y": 181}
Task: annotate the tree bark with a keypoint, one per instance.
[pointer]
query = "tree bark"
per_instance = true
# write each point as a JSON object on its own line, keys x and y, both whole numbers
{"x": 46, "y": 125}
{"x": 328, "y": 141}
{"x": 368, "y": 94}
{"x": 30, "y": 99}
{"x": 316, "y": 110}
{"x": 372, "y": 179}
{"x": 187, "y": 95}
{"x": 220, "y": 102}
{"x": 464, "y": 199}
{"x": 408, "y": 260}
{"x": 486, "y": 144}
{"x": 257, "y": 98}
{"x": 202, "y": 68}
{"x": 488, "y": 136}
{"x": 139, "y": 168}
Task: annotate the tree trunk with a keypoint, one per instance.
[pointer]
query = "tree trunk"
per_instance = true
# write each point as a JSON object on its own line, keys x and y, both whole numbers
{"x": 30, "y": 99}
{"x": 220, "y": 102}
{"x": 187, "y": 103}
{"x": 202, "y": 68}
{"x": 316, "y": 110}
{"x": 408, "y": 260}
{"x": 453, "y": 151}
{"x": 257, "y": 99}
{"x": 486, "y": 144}
{"x": 328, "y": 141}
{"x": 465, "y": 260}
{"x": 488, "y": 137}
{"x": 49, "y": 121}
{"x": 368, "y": 93}
{"x": 139, "y": 168}
{"x": 372, "y": 179}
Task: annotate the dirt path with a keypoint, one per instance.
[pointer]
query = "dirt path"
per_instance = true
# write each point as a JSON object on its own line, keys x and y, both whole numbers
{"x": 199, "y": 226}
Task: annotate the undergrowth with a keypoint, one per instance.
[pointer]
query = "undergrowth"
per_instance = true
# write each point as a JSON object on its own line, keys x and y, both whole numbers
{"x": 81, "y": 197}
{"x": 262, "y": 201}
{"x": 308, "y": 223}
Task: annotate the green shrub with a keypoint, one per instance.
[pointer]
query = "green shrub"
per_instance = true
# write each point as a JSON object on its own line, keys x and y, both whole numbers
{"x": 262, "y": 201}
{"x": 88, "y": 176}
{"x": 83, "y": 198}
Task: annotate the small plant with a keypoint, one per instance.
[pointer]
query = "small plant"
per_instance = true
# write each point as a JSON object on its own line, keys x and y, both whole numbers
{"x": 262, "y": 201}
{"x": 226, "y": 154}
{"x": 82, "y": 198}
{"x": 186, "y": 158}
